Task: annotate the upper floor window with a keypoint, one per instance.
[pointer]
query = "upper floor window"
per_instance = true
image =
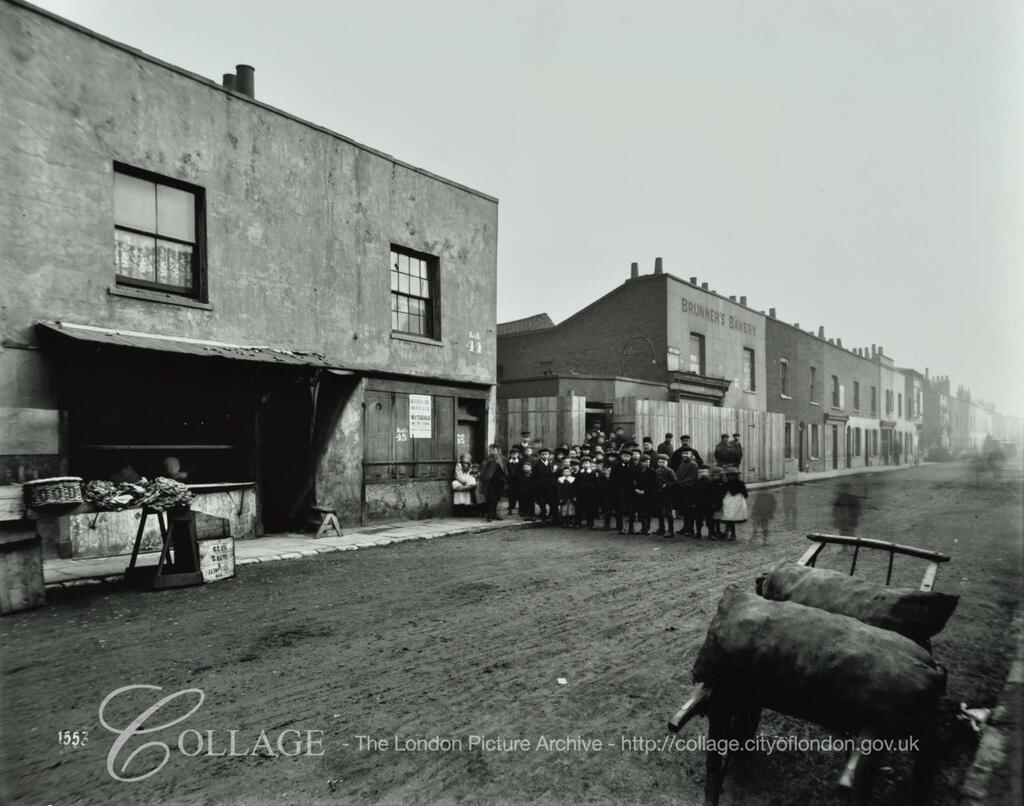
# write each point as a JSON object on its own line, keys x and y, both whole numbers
{"x": 784, "y": 377}
{"x": 856, "y": 396}
{"x": 874, "y": 400}
{"x": 158, "y": 233}
{"x": 414, "y": 293}
{"x": 748, "y": 370}
{"x": 814, "y": 377}
{"x": 899, "y": 404}
{"x": 835, "y": 392}
{"x": 697, "y": 353}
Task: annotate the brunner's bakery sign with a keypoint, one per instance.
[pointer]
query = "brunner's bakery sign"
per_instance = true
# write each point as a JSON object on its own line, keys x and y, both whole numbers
{"x": 717, "y": 317}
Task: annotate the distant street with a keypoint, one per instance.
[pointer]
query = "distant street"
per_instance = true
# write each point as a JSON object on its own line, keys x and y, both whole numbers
{"x": 458, "y": 648}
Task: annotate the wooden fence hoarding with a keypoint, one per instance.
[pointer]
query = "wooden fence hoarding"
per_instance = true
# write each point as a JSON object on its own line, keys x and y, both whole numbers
{"x": 553, "y": 420}
{"x": 761, "y": 433}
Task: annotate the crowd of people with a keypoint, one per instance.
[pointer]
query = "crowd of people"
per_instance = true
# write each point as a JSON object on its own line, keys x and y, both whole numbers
{"x": 612, "y": 482}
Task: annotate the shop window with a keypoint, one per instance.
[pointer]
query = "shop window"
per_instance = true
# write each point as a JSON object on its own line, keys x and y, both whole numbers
{"x": 158, "y": 233}
{"x": 414, "y": 293}
{"x": 697, "y": 353}
{"x": 748, "y": 370}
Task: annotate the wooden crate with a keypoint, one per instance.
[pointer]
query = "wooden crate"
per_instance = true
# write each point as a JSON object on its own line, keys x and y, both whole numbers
{"x": 21, "y": 567}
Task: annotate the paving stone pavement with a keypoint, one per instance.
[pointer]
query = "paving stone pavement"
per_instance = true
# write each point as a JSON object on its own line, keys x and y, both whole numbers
{"x": 69, "y": 573}
{"x": 59, "y": 573}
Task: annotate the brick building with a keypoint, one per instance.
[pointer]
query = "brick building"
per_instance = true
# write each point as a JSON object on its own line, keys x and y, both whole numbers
{"x": 188, "y": 271}
{"x": 668, "y": 338}
{"x": 828, "y": 394}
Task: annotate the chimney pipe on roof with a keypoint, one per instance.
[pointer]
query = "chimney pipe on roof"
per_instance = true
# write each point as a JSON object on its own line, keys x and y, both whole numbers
{"x": 874, "y": 350}
{"x": 693, "y": 281}
{"x": 839, "y": 342}
{"x": 771, "y": 312}
{"x": 634, "y": 271}
{"x": 821, "y": 331}
{"x": 796, "y": 325}
{"x": 926, "y": 373}
{"x": 704, "y": 286}
{"x": 229, "y": 81}
{"x": 657, "y": 266}
{"x": 732, "y": 298}
{"x": 831, "y": 341}
{"x": 743, "y": 301}
{"x": 244, "y": 80}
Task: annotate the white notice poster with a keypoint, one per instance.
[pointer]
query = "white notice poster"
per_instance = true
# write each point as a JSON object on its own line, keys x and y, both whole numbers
{"x": 419, "y": 416}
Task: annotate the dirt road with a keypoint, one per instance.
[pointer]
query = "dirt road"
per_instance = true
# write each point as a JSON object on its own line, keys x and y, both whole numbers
{"x": 467, "y": 637}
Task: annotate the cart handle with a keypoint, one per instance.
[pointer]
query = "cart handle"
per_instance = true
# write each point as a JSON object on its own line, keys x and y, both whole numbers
{"x": 933, "y": 558}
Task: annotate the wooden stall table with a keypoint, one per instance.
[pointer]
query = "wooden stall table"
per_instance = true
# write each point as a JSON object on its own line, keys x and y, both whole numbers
{"x": 178, "y": 565}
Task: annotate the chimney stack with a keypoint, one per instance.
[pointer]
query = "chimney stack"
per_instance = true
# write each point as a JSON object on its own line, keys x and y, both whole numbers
{"x": 831, "y": 341}
{"x": 229, "y": 81}
{"x": 657, "y": 265}
{"x": 743, "y": 301}
{"x": 244, "y": 79}
{"x": 796, "y": 325}
{"x": 732, "y": 298}
{"x": 693, "y": 281}
{"x": 634, "y": 271}
{"x": 926, "y": 373}
{"x": 821, "y": 331}
{"x": 839, "y": 342}
{"x": 771, "y": 312}
{"x": 704, "y": 286}
{"x": 874, "y": 350}
{"x": 880, "y": 350}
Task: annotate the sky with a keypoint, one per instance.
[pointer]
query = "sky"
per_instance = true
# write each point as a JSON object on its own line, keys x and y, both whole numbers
{"x": 853, "y": 165}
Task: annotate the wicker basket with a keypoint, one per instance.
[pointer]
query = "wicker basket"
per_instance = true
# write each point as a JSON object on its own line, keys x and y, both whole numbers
{"x": 53, "y": 492}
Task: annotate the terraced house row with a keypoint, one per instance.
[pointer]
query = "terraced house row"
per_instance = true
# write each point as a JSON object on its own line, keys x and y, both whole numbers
{"x": 661, "y": 354}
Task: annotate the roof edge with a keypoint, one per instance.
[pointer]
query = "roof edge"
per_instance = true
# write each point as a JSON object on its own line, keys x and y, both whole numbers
{"x": 239, "y": 97}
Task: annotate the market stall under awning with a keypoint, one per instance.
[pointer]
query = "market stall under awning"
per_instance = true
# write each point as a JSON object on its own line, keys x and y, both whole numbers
{"x": 133, "y": 400}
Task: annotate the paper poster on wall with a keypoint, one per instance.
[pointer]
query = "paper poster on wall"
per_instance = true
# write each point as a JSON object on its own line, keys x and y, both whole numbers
{"x": 419, "y": 416}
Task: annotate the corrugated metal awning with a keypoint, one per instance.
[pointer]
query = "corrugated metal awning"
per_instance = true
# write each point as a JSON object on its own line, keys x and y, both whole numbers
{"x": 186, "y": 346}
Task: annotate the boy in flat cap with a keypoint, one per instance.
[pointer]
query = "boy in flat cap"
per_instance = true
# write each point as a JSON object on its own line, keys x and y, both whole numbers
{"x": 645, "y": 489}
{"x": 620, "y": 488}
{"x": 665, "y": 496}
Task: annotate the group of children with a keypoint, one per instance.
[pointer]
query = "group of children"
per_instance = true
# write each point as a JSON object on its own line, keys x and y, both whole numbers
{"x": 585, "y": 485}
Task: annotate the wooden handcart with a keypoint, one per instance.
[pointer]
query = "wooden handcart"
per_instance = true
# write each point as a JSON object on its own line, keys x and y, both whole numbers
{"x": 733, "y": 718}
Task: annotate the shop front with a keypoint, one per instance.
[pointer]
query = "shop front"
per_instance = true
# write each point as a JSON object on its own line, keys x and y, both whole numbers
{"x": 233, "y": 423}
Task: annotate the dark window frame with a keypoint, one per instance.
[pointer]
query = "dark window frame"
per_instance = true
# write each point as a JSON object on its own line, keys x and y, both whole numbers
{"x": 434, "y": 289}
{"x": 751, "y": 379}
{"x": 200, "y": 287}
{"x": 784, "y": 377}
{"x": 702, "y": 356}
